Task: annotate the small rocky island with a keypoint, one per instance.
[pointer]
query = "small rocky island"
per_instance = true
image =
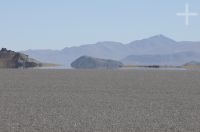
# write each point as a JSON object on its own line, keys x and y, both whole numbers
{"x": 11, "y": 59}
{"x": 87, "y": 62}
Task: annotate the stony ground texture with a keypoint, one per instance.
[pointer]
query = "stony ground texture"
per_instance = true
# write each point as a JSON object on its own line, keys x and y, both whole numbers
{"x": 108, "y": 101}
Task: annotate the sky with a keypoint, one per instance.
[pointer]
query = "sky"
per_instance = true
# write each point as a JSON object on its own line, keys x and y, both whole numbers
{"x": 55, "y": 24}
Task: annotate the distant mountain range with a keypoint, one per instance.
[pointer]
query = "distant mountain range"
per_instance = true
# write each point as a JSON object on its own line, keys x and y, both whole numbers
{"x": 157, "y": 50}
{"x": 175, "y": 59}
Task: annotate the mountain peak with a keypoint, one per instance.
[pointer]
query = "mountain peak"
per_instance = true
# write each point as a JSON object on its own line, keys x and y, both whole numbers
{"x": 161, "y": 37}
{"x": 157, "y": 39}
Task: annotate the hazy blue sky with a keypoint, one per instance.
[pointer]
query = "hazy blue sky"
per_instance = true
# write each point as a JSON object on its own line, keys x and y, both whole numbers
{"x": 55, "y": 24}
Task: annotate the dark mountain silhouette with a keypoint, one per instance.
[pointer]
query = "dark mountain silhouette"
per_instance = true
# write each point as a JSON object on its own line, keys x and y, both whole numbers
{"x": 87, "y": 62}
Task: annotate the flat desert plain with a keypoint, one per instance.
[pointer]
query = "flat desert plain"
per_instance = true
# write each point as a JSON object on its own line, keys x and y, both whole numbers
{"x": 38, "y": 100}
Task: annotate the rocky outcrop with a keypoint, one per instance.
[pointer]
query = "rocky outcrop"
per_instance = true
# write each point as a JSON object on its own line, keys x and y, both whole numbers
{"x": 86, "y": 62}
{"x": 11, "y": 59}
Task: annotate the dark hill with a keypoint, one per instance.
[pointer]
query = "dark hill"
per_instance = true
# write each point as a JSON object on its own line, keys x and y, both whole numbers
{"x": 86, "y": 62}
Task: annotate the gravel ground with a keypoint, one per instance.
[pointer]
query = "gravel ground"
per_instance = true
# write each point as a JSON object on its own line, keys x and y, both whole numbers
{"x": 107, "y": 101}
